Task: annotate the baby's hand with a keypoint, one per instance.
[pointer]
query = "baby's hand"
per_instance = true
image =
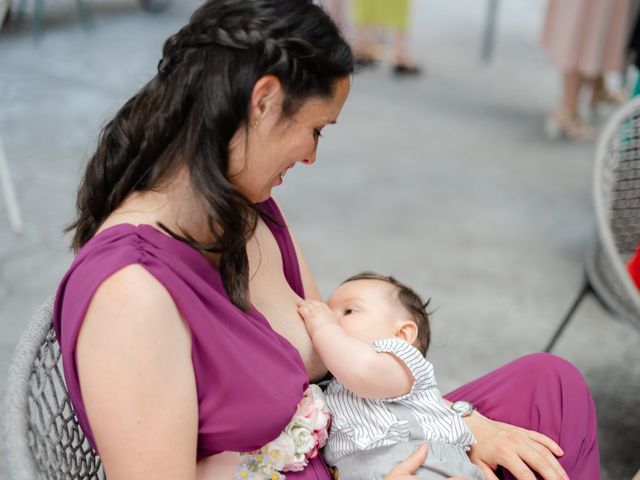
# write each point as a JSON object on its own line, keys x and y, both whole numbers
{"x": 315, "y": 315}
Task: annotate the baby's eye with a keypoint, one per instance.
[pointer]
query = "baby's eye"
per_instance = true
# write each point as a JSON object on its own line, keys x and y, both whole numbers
{"x": 348, "y": 311}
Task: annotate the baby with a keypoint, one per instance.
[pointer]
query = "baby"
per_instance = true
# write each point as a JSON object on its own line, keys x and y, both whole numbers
{"x": 373, "y": 336}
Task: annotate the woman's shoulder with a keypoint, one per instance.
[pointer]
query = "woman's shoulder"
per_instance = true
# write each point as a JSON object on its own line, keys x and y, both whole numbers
{"x": 101, "y": 257}
{"x": 119, "y": 246}
{"x": 138, "y": 263}
{"x": 135, "y": 289}
{"x": 133, "y": 304}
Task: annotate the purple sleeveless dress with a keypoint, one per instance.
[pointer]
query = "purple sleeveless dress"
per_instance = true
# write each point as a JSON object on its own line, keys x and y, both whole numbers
{"x": 249, "y": 378}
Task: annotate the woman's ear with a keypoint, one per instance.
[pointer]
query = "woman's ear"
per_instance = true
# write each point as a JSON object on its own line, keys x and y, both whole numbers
{"x": 407, "y": 331}
{"x": 266, "y": 99}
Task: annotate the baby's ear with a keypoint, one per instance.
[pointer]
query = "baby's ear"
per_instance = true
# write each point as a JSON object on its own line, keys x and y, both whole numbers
{"x": 407, "y": 331}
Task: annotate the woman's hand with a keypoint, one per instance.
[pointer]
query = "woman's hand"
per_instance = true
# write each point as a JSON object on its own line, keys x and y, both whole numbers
{"x": 520, "y": 451}
{"x": 405, "y": 469}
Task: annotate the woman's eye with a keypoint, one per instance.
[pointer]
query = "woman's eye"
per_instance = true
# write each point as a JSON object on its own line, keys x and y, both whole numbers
{"x": 317, "y": 132}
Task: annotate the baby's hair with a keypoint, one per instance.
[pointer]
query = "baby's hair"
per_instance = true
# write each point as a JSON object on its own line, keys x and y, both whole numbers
{"x": 412, "y": 303}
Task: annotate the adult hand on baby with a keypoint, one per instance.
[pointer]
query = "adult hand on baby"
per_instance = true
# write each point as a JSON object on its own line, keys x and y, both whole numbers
{"x": 315, "y": 315}
{"x": 405, "y": 469}
{"x": 520, "y": 451}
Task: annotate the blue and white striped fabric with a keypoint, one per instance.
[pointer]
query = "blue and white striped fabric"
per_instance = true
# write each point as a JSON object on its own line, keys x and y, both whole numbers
{"x": 363, "y": 424}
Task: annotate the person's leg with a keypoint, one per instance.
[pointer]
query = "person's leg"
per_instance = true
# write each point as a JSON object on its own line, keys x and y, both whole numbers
{"x": 401, "y": 51}
{"x": 571, "y": 85}
{"x": 544, "y": 393}
{"x": 565, "y": 120}
{"x": 601, "y": 94}
{"x": 365, "y": 47}
{"x": 363, "y": 44}
{"x": 396, "y": 17}
{"x": 338, "y": 11}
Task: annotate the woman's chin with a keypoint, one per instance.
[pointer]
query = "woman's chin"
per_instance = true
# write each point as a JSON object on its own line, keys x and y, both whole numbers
{"x": 262, "y": 197}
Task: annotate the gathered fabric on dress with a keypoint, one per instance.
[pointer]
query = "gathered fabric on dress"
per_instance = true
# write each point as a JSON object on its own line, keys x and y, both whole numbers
{"x": 249, "y": 378}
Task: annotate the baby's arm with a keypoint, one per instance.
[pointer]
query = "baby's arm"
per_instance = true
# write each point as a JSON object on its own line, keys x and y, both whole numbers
{"x": 354, "y": 362}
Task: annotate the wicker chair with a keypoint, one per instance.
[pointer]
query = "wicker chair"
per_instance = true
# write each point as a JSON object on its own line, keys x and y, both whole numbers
{"x": 43, "y": 437}
{"x": 616, "y": 197}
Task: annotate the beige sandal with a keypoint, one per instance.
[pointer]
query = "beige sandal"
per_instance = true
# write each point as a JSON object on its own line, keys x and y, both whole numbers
{"x": 561, "y": 124}
{"x": 603, "y": 95}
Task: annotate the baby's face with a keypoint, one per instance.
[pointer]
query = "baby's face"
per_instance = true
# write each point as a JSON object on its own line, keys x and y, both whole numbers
{"x": 367, "y": 309}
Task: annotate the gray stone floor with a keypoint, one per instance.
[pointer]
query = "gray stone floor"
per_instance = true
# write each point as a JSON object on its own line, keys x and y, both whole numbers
{"x": 445, "y": 181}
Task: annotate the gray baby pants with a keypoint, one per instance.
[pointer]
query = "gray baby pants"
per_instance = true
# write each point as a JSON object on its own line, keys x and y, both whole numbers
{"x": 443, "y": 460}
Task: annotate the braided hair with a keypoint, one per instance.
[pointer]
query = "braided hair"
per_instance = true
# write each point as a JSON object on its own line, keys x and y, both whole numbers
{"x": 188, "y": 113}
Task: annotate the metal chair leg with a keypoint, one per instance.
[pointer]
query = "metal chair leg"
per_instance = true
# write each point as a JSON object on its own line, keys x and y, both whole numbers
{"x": 20, "y": 13}
{"x": 488, "y": 39}
{"x": 38, "y": 19}
{"x": 85, "y": 14}
{"x": 586, "y": 288}
{"x": 9, "y": 193}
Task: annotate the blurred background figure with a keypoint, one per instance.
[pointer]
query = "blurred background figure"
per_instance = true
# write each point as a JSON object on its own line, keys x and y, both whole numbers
{"x": 375, "y": 21}
{"x": 4, "y": 11}
{"x": 634, "y": 44}
{"x": 584, "y": 39}
{"x": 338, "y": 9}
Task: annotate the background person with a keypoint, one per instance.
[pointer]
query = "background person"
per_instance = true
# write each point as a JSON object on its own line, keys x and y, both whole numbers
{"x": 584, "y": 39}
{"x": 379, "y": 18}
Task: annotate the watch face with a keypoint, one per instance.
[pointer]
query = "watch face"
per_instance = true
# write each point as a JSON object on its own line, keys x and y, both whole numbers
{"x": 463, "y": 408}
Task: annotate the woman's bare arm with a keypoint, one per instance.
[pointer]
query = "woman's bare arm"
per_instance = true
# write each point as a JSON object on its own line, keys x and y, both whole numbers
{"x": 137, "y": 379}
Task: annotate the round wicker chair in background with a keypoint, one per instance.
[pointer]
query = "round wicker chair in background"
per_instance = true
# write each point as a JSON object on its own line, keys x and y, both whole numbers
{"x": 616, "y": 198}
{"x": 43, "y": 437}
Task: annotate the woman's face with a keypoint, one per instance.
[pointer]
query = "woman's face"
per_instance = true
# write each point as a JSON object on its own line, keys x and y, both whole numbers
{"x": 260, "y": 155}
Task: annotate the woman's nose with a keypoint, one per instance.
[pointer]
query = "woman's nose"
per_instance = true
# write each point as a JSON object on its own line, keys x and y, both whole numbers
{"x": 310, "y": 160}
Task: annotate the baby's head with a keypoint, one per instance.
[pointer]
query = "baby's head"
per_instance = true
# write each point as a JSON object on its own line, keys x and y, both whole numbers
{"x": 373, "y": 307}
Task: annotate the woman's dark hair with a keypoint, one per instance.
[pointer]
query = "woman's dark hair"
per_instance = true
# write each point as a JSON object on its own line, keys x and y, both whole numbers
{"x": 187, "y": 114}
{"x": 410, "y": 301}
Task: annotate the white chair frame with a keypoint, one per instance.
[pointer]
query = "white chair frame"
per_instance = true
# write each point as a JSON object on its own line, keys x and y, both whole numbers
{"x": 9, "y": 192}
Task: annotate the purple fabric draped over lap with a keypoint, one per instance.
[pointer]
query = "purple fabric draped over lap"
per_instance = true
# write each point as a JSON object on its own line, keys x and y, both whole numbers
{"x": 249, "y": 378}
{"x": 544, "y": 393}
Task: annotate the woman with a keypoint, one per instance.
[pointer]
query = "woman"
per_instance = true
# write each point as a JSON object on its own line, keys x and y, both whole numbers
{"x": 177, "y": 320}
{"x": 371, "y": 17}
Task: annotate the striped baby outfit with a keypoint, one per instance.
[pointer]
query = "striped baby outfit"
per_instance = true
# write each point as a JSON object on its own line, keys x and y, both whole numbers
{"x": 364, "y": 424}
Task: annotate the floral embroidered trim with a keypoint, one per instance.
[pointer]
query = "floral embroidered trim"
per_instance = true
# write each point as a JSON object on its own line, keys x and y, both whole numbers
{"x": 299, "y": 442}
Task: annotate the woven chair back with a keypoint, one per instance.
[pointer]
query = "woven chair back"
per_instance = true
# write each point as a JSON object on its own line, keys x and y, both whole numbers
{"x": 44, "y": 438}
